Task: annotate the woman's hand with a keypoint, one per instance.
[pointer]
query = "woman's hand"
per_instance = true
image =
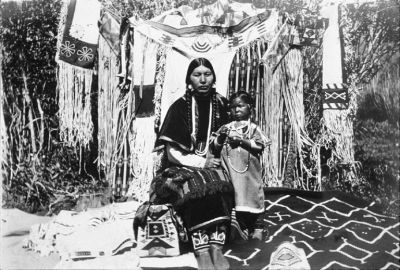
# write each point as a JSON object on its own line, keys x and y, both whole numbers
{"x": 212, "y": 163}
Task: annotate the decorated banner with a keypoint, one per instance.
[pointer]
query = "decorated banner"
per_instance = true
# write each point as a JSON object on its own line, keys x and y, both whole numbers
{"x": 309, "y": 32}
{"x": 76, "y": 53}
{"x": 336, "y": 114}
{"x": 196, "y": 41}
{"x": 221, "y": 13}
{"x": 79, "y": 42}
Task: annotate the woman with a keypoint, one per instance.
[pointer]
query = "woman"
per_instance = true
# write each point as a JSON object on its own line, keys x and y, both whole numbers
{"x": 199, "y": 191}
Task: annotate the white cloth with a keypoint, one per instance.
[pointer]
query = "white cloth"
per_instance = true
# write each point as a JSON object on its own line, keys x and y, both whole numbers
{"x": 176, "y": 156}
{"x": 70, "y": 232}
{"x": 84, "y": 24}
{"x": 145, "y": 59}
{"x": 332, "y": 53}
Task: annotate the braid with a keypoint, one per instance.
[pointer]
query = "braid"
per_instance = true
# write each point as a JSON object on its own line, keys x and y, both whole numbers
{"x": 188, "y": 98}
{"x": 215, "y": 108}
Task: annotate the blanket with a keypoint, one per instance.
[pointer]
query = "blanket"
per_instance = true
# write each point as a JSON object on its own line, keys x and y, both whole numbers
{"x": 336, "y": 231}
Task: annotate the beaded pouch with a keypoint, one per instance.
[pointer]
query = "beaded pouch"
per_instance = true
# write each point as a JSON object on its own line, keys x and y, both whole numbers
{"x": 161, "y": 233}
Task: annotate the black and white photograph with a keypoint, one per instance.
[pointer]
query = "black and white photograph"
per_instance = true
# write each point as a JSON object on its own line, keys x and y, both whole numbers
{"x": 200, "y": 134}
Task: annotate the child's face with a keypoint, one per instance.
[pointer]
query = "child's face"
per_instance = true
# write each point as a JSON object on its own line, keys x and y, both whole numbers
{"x": 239, "y": 109}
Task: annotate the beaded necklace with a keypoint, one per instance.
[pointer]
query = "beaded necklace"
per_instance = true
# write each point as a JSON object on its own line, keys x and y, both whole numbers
{"x": 198, "y": 152}
{"x": 239, "y": 130}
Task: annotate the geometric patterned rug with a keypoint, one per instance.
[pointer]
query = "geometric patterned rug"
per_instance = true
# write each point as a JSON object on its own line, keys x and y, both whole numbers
{"x": 336, "y": 231}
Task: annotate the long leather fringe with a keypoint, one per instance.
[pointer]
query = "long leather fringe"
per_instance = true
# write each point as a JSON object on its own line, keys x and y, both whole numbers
{"x": 74, "y": 85}
{"x": 3, "y": 129}
{"x": 107, "y": 108}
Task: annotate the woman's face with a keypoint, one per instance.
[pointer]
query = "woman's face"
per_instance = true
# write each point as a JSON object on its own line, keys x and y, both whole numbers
{"x": 240, "y": 110}
{"x": 202, "y": 79}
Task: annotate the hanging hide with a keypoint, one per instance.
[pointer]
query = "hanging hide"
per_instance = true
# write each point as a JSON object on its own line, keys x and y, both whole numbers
{"x": 338, "y": 125}
{"x": 76, "y": 49}
{"x": 148, "y": 75}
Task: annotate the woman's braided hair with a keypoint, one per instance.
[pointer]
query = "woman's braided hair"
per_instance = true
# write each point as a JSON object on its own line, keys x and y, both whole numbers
{"x": 189, "y": 92}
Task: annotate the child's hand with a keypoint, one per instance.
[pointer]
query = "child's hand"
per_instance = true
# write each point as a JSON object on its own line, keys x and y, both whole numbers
{"x": 235, "y": 141}
{"x": 223, "y": 134}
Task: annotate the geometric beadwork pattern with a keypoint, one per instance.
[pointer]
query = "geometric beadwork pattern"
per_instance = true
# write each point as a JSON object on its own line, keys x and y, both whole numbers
{"x": 159, "y": 237}
{"x": 335, "y": 96}
{"x": 335, "y": 230}
{"x": 309, "y": 31}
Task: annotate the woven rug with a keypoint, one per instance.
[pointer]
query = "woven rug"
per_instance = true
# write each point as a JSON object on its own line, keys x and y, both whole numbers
{"x": 336, "y": 231}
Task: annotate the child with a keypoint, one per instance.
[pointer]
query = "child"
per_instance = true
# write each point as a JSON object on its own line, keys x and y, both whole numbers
{"x": 241, "y": 143}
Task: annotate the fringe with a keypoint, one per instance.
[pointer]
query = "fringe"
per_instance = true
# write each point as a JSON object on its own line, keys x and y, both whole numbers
{"x": 3, "y": 128}
{"x": 293, "y": 96}
{"x": 74, "y": 85}
{"x": 338, "y": 128}
{"x": 143, "y": 159}
{"x": 160, "y": 78}
{"x": 283, "y": 90}
{"x": 108, "y": 108}
{"x": 272, "y": 100}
